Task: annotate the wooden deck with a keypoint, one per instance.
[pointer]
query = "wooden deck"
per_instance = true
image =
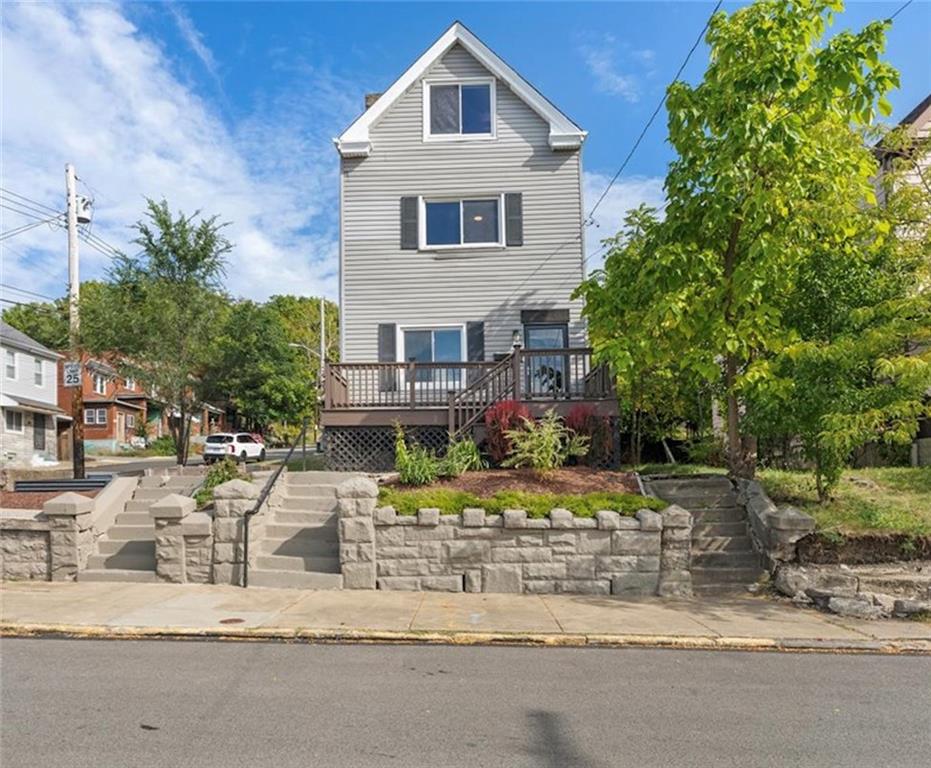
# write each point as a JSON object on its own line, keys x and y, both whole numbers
{"x": 457, "y": 394}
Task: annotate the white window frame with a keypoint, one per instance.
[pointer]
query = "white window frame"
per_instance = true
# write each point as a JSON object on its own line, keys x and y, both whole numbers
{"x": 102, "y": 390}
{"x": 10, "y": 362}
{"x": 460, "y": 246}
{"x": 101, "y": 417}
{"x": 131, "y": 421}
{"x": 129, "y": 383}
{"x": 402, "y": 352}
{"x": 6, "y": 424}
{"x": 38, "y": 374}
{"x": 445, "y": 137}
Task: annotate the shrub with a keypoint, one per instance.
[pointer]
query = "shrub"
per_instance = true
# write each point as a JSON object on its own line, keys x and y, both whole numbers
{"x": 222, "y": 472}
{"x": 461, "y": 456}
{"x": 538, "y": 505}
{"x": 163, "y": 446}
{"x": 585, "y": 421}
{"x": 414, "y": 464}
{"x": 545, "y": 444}
{"x": 499, "y": 420}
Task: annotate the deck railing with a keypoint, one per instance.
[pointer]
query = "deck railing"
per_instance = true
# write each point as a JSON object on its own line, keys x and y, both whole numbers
{"x": 526, "y": 374}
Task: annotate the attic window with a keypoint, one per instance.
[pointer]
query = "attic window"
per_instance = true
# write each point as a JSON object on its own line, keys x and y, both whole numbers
{"x": 461, "y": 110}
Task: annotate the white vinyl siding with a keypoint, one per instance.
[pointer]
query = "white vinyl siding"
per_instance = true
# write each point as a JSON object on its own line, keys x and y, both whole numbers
{"x": 383, "y": 284}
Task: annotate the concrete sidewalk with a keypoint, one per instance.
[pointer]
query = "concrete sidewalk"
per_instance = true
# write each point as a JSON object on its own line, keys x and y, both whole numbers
{"x": 180, "y": 610}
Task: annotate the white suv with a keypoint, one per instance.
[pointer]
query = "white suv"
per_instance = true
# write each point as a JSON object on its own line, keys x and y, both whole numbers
{"x": 239, "y": 445}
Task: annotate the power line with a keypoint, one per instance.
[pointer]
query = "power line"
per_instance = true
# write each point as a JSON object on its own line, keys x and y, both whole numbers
{"x": 656, "y": 111}
{"x": 27, "y": 292}
{"x": 34, "y": 203}
{"x": 589, "y": 218}
{"x": 24, "y": 228}
{"x": 901, "y": 8}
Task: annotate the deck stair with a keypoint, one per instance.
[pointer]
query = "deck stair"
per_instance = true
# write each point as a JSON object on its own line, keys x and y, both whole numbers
{"x": 300, "y": 545}
{"x": 126, "y": 552}
{"x": 723, "y": 558}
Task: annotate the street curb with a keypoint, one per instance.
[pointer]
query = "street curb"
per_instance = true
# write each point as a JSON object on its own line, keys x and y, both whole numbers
{"x": 375, "y": 637}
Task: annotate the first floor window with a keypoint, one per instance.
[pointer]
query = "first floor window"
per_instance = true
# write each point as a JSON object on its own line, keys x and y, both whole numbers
{"x": 14, "y": 421}
{"x": 130, "y": 421}
{"x": 95, "y": 415}
{"x": 10, "y": 364}
{"x": 434, "y": 345}
{"x": 463, "y": 222}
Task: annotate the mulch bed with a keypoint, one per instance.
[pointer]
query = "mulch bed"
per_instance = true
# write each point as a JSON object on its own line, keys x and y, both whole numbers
{"x": 32, "y": 499}
{"x": 863, "y": 548}
{"x": 565, "y": 480}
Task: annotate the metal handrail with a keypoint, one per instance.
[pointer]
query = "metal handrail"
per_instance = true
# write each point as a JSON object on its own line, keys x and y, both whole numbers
{"x": 263, "y": 496}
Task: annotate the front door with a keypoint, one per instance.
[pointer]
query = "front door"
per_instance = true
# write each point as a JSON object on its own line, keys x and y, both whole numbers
{"x": 38, "y": 431}
{"x": 546, "y": 374}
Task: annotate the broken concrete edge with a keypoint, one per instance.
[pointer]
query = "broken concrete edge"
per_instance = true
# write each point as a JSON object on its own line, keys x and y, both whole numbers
{"x": 452, "y": 637}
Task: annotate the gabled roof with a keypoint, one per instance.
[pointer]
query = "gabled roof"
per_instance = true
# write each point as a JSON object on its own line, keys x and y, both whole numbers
{"x": 564, "y": 133}
{"x": 16, "y": 338}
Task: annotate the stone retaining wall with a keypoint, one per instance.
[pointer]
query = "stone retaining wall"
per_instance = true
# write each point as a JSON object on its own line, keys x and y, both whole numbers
{"x": 775, "y": 531}
{"x": 477, "y": 552}
{"x": 24, "y": 549}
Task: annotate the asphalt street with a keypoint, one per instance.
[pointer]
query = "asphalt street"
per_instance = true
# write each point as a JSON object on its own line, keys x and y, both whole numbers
{"x": 129, "y": 467}
{"x": 148, "y": 703}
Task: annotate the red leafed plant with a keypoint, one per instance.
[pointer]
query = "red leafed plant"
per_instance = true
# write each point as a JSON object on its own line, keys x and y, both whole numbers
{"x": 508, "y": 414}
{"x": 585, "y": 421}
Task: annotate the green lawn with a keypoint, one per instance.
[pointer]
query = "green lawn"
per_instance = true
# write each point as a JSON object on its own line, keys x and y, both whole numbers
{"x": 893, "y": 499}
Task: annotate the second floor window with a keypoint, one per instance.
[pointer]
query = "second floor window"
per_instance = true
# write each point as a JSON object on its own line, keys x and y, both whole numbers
{"x": 100, "y": 384}
{"x": 10, "y": 364}
{"x": 38, "y": 378}
{"x": 465, "y": 109}
{"x": 129, "y": 383}
{"x": 462, "y": 222}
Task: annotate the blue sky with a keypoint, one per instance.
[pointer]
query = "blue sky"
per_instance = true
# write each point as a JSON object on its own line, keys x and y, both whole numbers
{"x": 230, "y": 107}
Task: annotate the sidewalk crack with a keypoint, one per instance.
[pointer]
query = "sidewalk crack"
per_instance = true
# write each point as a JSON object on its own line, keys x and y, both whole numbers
{"x": 552, "y": 615}
{"x": 410, "y": 625}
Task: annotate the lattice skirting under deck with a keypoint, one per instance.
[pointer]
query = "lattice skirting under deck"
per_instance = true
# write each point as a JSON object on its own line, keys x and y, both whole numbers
{"x": 371, "y": 449}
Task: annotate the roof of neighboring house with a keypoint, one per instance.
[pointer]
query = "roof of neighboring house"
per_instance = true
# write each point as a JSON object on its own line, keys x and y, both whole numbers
{"x": 564, "y": 133}
{"x": 38, "y": 406}
{"x": 923, "y": 106}
{"x": 119, "y": 401}
{"x": 16, "y": 338}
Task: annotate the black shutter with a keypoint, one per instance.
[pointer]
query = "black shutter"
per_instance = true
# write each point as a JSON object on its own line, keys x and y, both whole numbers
{"x": 387, "y": 353}
{"x": 514, "y": 218}
{"x": 475, "y": 347}
{"x": 409, "y": 229}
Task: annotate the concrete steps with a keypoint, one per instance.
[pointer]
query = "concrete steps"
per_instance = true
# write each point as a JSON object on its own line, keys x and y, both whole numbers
{"x": 293, "y": 563}
{"x": 116, "y": 574}
{"x": 300, "y": 547}
{"x": 723, "y": 558}
{"x": 294, "y": 580}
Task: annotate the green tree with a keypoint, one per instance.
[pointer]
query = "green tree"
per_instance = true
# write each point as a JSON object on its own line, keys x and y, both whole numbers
{"x": 256, "y": 370}
{"x": 166, "y": 310}
{"x": 769, "y": 160}
{"x": 859, "y": 368}
{"x": 47, "y": 322}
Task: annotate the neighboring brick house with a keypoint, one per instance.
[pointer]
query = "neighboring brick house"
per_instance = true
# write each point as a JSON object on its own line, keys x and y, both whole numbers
{"x": 30, "y": 414}
{"x": 114, "y": 406}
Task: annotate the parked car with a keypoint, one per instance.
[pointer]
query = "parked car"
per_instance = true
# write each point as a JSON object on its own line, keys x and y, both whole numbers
{"x": 240, "y": 445}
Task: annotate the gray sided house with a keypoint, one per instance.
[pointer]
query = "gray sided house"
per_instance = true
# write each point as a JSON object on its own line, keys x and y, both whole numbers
{"x": 461, "y": 243}
{"x": 31, "y": 419}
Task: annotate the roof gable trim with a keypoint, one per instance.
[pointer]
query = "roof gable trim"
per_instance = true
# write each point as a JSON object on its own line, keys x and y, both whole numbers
{"x": 564, "y": 133}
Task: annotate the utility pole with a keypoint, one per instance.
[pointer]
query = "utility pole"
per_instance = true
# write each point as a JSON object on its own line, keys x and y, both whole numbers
{"x": 322, "y": 362}
{"x": 74, "y": 289}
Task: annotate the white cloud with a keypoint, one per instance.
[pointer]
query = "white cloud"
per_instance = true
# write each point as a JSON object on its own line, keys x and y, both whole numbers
{"x": 195, "y": 40}
{"x": 82, "y": 84}
{"x": 626, "y": 193}
{"x": 601, "y": 55}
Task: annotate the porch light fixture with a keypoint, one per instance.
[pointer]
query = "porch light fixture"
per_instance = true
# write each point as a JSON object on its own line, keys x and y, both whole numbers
{"x": 515, "y": 338}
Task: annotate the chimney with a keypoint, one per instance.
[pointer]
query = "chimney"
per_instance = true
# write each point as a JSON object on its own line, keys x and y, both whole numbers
{"x": 371, "y": 98}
